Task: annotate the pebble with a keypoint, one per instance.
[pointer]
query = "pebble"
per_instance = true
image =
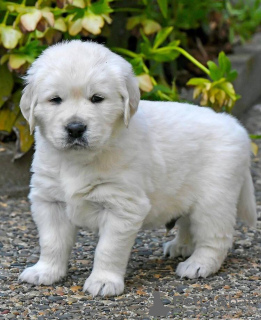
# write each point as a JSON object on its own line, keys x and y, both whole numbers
{"x": 181, "y": 289}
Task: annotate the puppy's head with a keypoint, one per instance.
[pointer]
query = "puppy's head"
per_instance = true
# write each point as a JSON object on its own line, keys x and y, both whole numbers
{"x": 77, "y": 92}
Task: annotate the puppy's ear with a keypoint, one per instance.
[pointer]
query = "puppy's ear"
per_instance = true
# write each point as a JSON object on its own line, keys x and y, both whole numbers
{"x": 27, "y": 105}
{"x": 131, "y": 96}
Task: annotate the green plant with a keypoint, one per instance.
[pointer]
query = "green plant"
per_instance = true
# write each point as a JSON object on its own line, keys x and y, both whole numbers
{"x": 181, "y": 15}
{"x": 155, "y": 34}
{"x": 219, "y": 93}
{"x": 244, "y": 17}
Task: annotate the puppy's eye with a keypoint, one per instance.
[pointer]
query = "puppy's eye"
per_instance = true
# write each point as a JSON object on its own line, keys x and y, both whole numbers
{"x": 56, "y": 100}
{"x": 96, "y": 98}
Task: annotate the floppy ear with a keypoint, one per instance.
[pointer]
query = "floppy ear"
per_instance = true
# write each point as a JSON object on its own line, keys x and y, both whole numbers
{"x": 27, "y": 105}
{"x": 131, "y": 96}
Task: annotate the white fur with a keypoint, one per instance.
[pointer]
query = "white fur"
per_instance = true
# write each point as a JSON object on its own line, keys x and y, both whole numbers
{"x": 173, "y": 159}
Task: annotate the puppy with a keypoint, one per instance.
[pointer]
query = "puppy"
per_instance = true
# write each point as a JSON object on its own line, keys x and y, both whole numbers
{"x": 102, "y": 164}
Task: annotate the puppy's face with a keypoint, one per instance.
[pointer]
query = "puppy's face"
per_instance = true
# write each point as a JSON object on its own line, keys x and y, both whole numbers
{"x": 78, "y": 93}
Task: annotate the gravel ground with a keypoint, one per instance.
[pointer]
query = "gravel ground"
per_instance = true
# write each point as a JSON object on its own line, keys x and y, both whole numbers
{"x": 233, "y": 293}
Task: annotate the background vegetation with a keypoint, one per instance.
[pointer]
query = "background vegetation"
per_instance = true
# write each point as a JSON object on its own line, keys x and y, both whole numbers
{"x": 169, "y": 43}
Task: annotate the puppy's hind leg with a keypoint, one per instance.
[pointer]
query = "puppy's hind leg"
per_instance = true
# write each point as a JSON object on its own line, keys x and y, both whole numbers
{"x": 57, "y": 236}
{"x": 212, "y": 231}
{"x": 182, "y": 244}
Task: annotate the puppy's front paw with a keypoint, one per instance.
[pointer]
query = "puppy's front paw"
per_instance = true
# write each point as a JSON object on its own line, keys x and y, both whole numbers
{"x": 192, "y": 270}
{"x": 104, "y": 283}
{"x": 202, "y": 263}
{"x": 42, "y": 273}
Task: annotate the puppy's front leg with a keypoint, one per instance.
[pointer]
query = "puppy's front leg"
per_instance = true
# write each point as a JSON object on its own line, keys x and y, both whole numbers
{"x": 117, "y": 235}
{"x": 111, "y": 258}
{"x": 57, "y": 236}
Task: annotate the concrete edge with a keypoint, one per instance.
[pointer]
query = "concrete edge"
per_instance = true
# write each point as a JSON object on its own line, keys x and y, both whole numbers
{"x": 14, "y": 175}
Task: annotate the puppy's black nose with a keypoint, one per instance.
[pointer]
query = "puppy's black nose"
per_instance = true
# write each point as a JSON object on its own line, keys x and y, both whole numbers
{"x": 76, "y": 129}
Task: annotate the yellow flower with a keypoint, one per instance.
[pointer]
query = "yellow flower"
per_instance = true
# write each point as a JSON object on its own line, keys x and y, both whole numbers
{"x": 9, "y": 36}
{"x": 219, "y": 95}
{"x": 37, "y": 19}
{"x": 145, "y": 82}
{"x": 91, "y": 23}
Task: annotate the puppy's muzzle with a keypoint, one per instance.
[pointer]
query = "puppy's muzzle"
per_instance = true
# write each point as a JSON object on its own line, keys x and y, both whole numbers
{"x": 76, "y": 129}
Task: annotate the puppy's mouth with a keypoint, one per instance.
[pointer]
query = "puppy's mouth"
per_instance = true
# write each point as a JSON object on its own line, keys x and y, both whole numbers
{"x": 76, "y": 144}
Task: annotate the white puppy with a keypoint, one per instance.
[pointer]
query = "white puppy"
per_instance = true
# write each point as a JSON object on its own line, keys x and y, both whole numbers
{"x": 100, "y": 164}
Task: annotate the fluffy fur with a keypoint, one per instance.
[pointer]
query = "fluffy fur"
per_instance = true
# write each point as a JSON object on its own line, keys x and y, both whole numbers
{"x": 129, "y": 169}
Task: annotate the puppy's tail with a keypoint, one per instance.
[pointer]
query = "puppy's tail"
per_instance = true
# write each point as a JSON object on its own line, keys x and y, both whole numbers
{"x": 247, "y": 203}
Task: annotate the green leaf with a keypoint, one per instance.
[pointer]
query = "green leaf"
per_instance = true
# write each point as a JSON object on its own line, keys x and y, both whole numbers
{"x": 197, "y": 81}
{"x": 215, "y": 72}
{"x": 163, "y": 4}
{"x": 166, "y": 56}
{"x": 224, "y": 63}
{"x": 4, "y": 58}
{"x": 174, "y": 43}
{"x": 101, "y": 7}
{"x": 255, "y": 136}
{"x": 24, "y": 139}
{"x": 146, "y": 50}
{"x": 6, "y": 86}
{"x": 9, "y": 113}
{"x": 14, "y": 7}
{"x": 77, "y": 13}
{"x": 221, "y": 81}
{"x": 161, "y": 36}
{"x": 232, "y": 75}
{"x": 137, "y": 65}
{"x": 163, "y": 88}
{"x": 31, "y": 49}
{"x": 163, "y": 54}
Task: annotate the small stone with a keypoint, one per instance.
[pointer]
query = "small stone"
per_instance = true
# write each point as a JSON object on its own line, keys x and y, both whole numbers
{"x": 55, "y": 298}
{"x": 166, "y": 301}
{"x": 226, "y": 287}
{"x": 181, "y": 289}
{"x": 5, "y": 311}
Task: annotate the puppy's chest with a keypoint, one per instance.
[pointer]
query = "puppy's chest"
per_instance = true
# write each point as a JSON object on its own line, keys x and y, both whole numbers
{"x": 83, "y": 197}
{"x": 79, "y": 183}
{"x": 83, "y": 213}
